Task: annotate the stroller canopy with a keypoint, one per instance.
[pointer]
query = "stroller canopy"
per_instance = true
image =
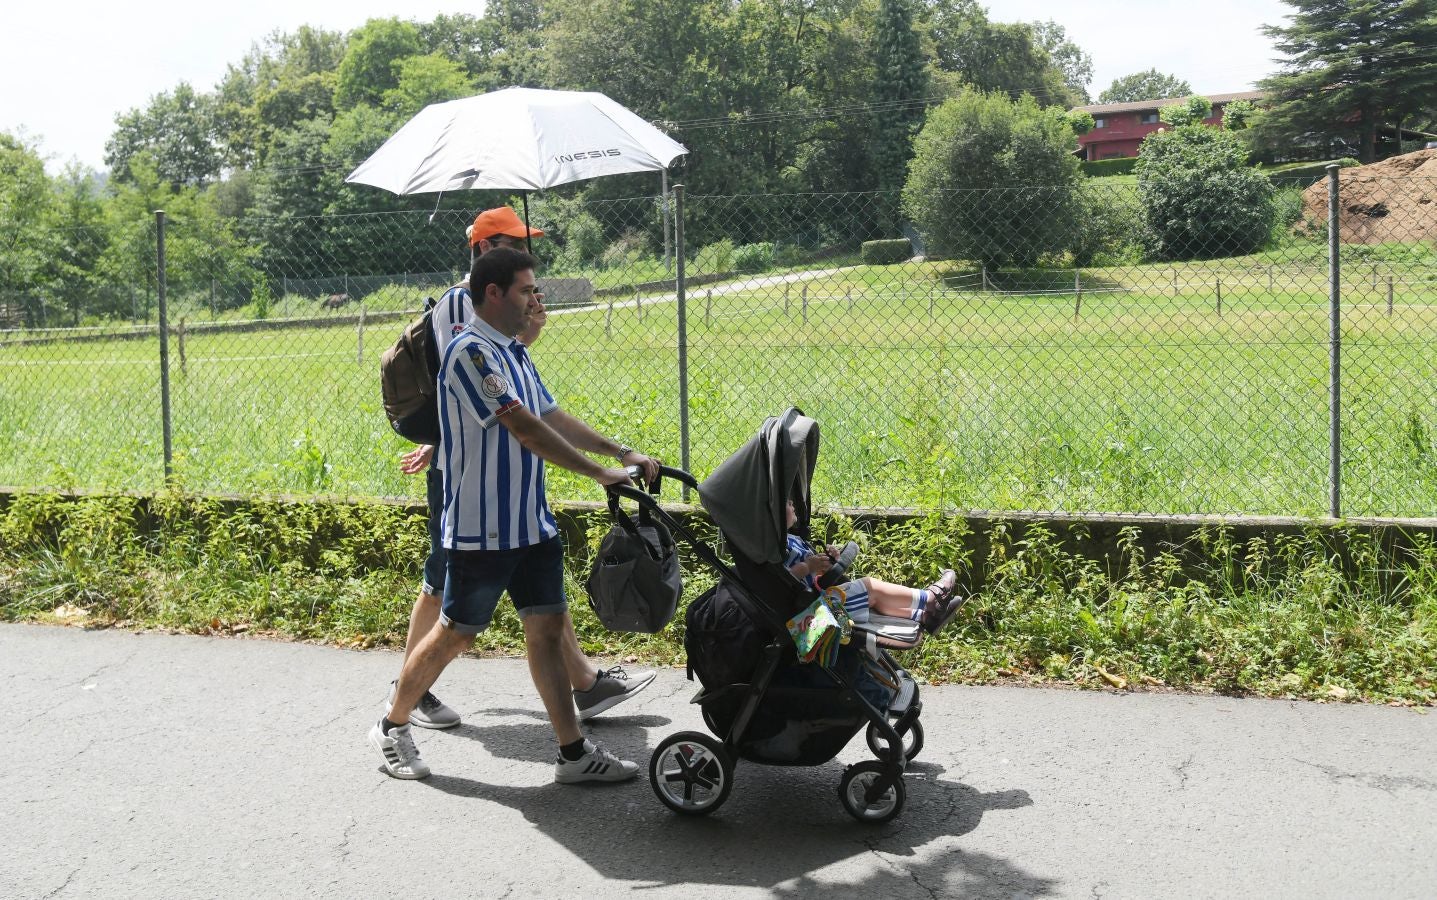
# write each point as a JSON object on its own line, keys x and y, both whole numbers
{"x": 745, "y": 495}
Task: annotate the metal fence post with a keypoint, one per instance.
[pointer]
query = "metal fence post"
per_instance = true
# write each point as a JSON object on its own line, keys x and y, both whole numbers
{"x": 680, "y": 287}
{"x": 1334, "y": 375}
{"x": 164, "y": 341}
{"x": 664, "y": 214}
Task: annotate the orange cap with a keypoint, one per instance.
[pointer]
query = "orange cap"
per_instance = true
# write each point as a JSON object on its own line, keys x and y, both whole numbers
{"x": 500, "y": 220}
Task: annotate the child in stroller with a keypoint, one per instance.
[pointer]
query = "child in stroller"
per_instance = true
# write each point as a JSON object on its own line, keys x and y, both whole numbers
{"x": 931, "y": 607}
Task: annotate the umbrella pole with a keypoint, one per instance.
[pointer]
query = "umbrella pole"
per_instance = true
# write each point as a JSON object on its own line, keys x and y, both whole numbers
{"x": 528, "y": 241}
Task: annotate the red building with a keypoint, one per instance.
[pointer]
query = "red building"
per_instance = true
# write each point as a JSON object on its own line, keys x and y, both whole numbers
{"x": 1121, "y": 127}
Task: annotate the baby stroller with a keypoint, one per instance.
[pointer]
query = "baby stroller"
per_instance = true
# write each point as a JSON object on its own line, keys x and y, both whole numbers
{"x": 759, "y": 702}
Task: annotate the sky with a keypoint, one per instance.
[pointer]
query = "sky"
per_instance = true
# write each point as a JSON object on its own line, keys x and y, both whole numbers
{"x": 67, "y": 69}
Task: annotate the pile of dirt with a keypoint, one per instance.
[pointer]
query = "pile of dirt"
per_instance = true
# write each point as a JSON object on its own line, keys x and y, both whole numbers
{"x": 1393, "y": 200}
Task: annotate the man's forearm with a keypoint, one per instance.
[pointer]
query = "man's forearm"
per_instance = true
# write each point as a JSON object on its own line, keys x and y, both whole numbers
{"x": 551, "y": 444}
{"x": 579, "y": 433}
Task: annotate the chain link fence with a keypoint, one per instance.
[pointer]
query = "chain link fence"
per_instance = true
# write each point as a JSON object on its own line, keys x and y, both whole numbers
{"x": 1035, "y": 350}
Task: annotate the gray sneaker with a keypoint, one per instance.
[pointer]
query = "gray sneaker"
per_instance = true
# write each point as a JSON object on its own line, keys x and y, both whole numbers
{"x": 597, "y": 764}
{"x": 613, "y": 686}
{"x": 401, "y": 757}
{"x": 430, "y": 712}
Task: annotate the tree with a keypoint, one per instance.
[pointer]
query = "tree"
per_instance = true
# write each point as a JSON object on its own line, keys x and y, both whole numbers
{"x": 500, "y": 50}
{"x": 370, "y": 64}
{"x": 1081, "y": 121}
{"x": 422, "y": 80}
{"x": 1350, "y": 69}
{"x": 969, "y": 50}
{"x": 994, "y": 180}
{"x": 1149, "y": 85}
{"x": 1239, "y": 115}
{"x": 177, "y": 129}
{"x": 900, "y": 89}
{"x": 1073, "y": 61}
{"x": 27, "y": 216}
{"x": 1190, "y": 111}
{"x": 1200, "y": 197}
{"x": 290, "y": 79}
{"x": 81, "y": 241}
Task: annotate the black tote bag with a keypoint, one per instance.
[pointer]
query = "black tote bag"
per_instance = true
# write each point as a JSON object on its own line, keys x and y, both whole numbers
{"x": 634, "y": 583}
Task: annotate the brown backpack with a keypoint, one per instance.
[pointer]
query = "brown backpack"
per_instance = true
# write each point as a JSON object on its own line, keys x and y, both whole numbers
{"x": 408, "y": 380}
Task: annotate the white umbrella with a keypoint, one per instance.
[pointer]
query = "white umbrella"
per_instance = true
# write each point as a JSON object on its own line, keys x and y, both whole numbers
{"x": 516, "y": 139}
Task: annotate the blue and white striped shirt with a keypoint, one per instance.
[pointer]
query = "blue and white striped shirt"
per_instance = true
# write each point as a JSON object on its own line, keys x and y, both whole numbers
{"x": 493, "y": 486}
{"x": 453, "y": 311}
{"x": 451, "y": 314}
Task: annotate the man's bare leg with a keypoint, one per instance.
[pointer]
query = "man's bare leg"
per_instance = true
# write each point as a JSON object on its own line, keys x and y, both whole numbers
{"x": 421, "y": 619}
{"x": 581, "y": 670}
{"x": 422, "y": 666}
{"x": 544, "y": 638}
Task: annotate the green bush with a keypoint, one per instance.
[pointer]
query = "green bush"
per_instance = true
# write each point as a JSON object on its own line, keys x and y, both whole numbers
{"x": 1102, "y": 168}
{"x": 1286, "y": 212}
{"x": 993, "y": 180}
{"x": 1110, "y": 229}
{"x": 714, "y": 258}
{"x": 261, "y": 298}
{"x": 753, "y": 257}
{"x": 1215, "y": 612}
{"x": 584, "y": 238}
{"x": 1189, "y": 111}
{"x": 624, "y": 252}
{"x": 885, "y": 253}
{"x": 788, "y": 255}
{"x": 1200, "y": 198}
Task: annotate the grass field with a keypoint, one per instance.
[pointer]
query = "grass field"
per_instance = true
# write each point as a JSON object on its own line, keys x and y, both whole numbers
{"x": 1142, "y": 394}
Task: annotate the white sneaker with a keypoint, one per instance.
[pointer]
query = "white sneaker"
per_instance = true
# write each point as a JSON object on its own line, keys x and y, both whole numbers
{"x": 612, "y": 687}
{"x": 429, "y": 712}
{"x": 401, "y": 756}
{"x": 597, "y": 764}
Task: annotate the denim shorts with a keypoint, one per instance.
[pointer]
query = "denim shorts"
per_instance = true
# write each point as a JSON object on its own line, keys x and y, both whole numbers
{"x": 434, "y": 562}
{"x": 533, "y": 575}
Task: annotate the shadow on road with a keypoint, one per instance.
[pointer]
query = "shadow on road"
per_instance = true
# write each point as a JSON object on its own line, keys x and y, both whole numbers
{"x": 781, "y": 826}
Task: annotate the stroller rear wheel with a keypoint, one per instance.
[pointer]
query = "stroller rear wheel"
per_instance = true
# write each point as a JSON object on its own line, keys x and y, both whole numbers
{"x": 858, "y": 780}
{"x": 691, "y": 773}
{"x": 912, "y": 741}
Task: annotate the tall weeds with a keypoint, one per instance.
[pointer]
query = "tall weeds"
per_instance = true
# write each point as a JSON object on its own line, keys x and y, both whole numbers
{"x": 1326, "y": 614}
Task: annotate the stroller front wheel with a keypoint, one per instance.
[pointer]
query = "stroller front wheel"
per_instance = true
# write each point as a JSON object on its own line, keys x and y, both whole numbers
{"x": 912, "y": 741}
{"x": 691, "y": 773}
{"x": 854, "y": 789}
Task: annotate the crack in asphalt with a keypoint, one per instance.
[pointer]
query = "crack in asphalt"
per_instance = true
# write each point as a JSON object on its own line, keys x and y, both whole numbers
{"x": 343, "y": 848}
{"x": 348, "y": 711}
{"x": 1181, "y": 771}
{"x": 1385, "y": 783}
{"x": 68, "y": 878}
{"x": 871, "y": 845}
{"x": 932, "y": 892}
{"x": 81, "y": 683}
{"x": 100, "y": 742}
{"x": 106, "y": 667}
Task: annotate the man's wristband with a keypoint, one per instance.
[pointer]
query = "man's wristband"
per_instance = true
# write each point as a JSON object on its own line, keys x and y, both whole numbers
{"x": 624, "y": 450}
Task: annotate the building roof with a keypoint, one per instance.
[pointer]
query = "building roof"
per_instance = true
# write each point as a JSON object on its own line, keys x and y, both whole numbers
{"x": 1098, "y": 109}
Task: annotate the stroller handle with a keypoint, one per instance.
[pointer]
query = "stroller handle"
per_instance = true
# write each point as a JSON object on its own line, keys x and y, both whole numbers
{"x": 648, "y": 497}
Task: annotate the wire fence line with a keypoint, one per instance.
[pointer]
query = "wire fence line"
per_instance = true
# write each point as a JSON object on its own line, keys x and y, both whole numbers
{"x": 1103, "y": 372}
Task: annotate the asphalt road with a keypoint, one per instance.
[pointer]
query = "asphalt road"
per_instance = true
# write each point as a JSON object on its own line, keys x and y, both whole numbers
{"x": 149, "y": 765}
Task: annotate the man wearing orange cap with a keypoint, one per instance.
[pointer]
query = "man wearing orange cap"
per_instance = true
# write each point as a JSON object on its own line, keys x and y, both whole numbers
{"x": 595, "y": 690}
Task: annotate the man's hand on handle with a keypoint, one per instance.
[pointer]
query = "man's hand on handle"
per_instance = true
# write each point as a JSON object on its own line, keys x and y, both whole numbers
{"x": 648, "y": 464}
